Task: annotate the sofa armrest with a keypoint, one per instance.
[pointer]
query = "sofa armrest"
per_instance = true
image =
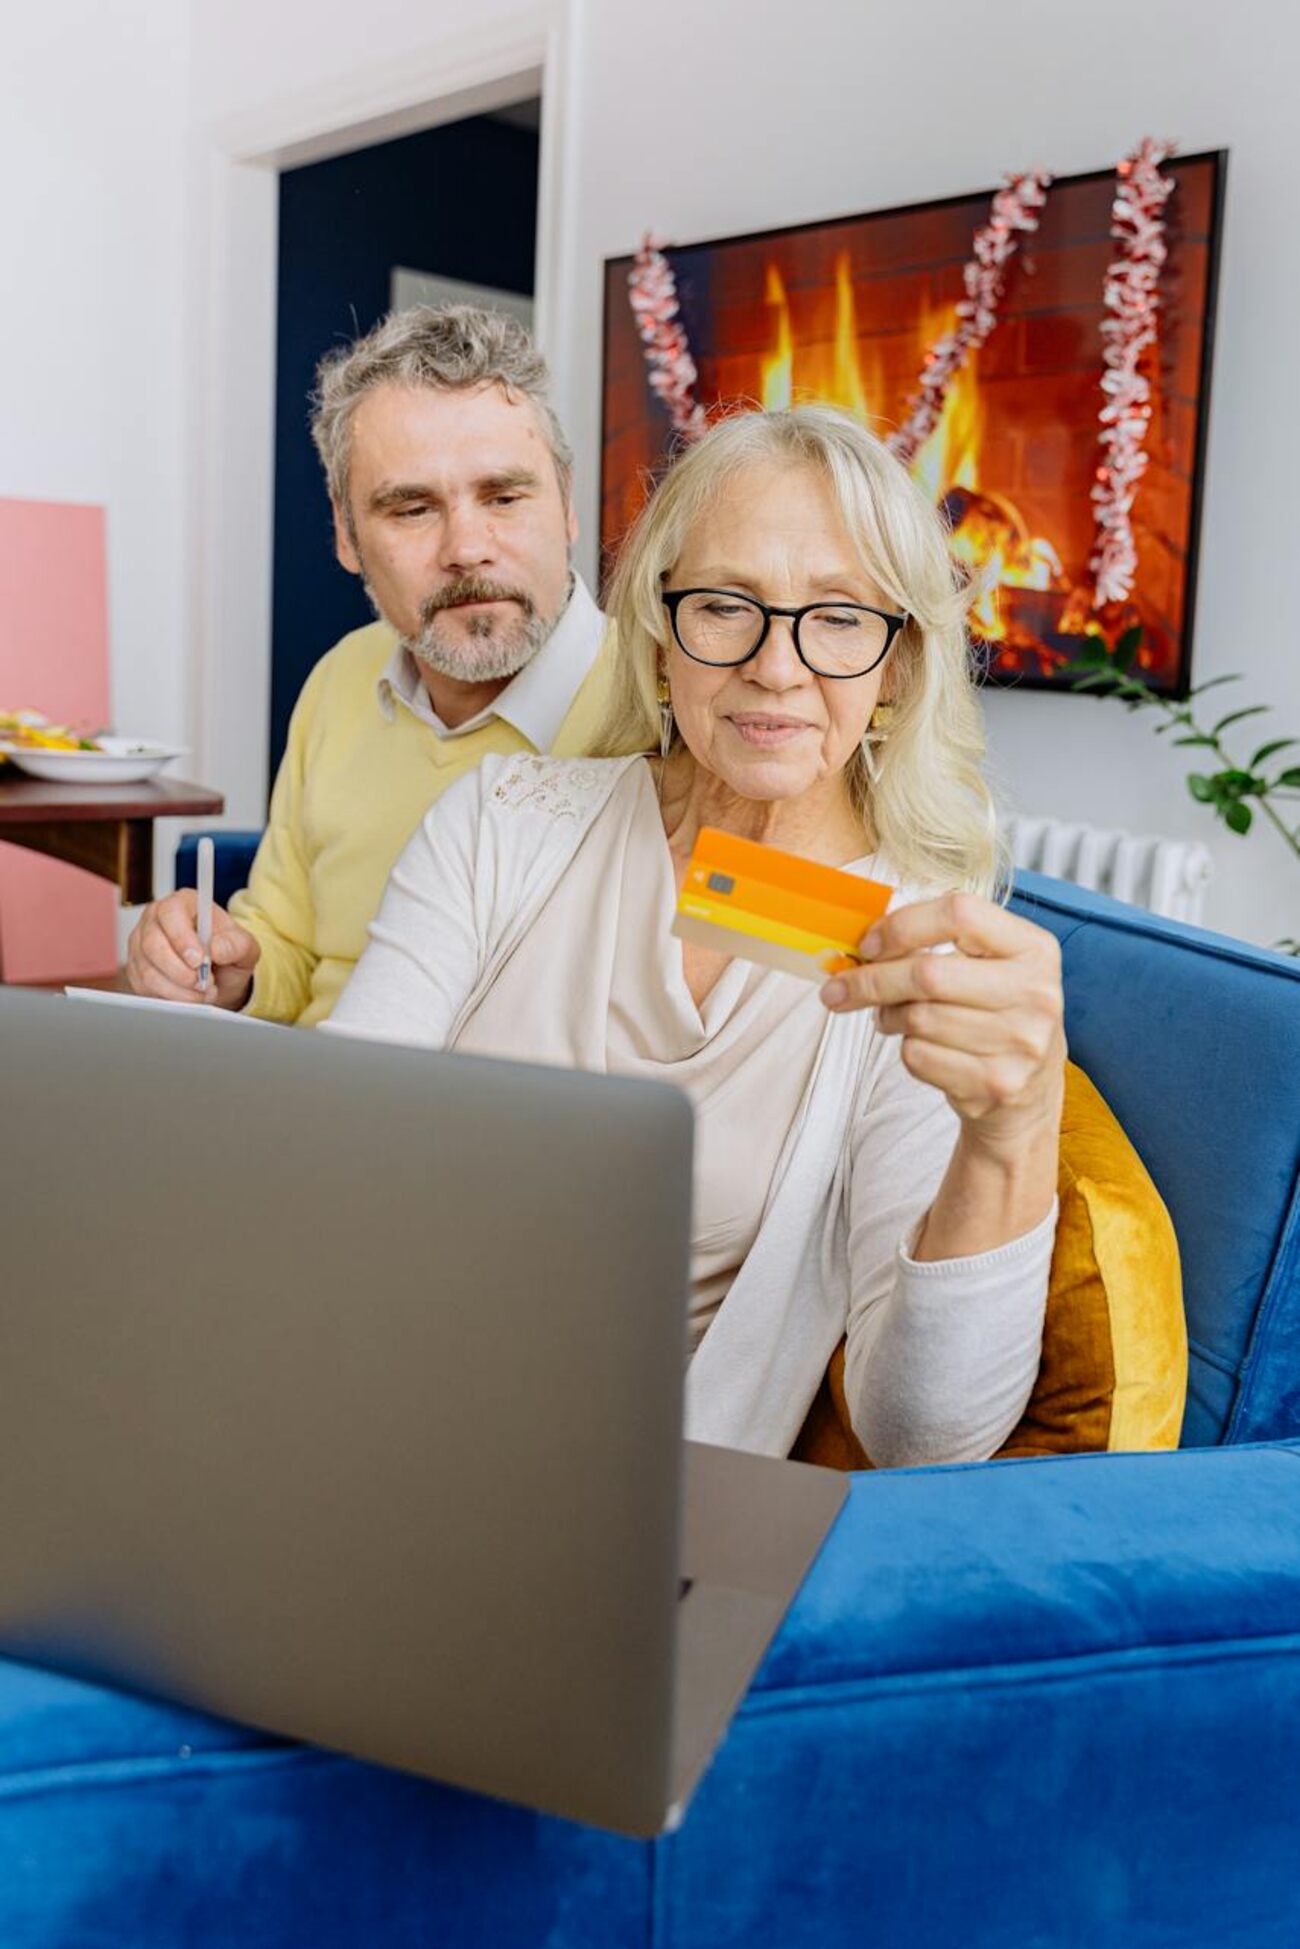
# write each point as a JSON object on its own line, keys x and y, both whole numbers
{"x": 1034, "y": 1702}
{"x": 962, "y": 1569}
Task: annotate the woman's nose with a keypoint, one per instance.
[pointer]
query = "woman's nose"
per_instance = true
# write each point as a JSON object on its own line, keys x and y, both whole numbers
{"x": 777, "y": 664}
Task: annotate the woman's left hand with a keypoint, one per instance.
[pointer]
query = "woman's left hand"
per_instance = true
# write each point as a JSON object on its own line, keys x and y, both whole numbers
{"x": 984, "y": 1024}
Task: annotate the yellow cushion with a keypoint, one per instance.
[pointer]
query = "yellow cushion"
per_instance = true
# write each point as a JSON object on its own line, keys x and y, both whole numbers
{"x": 1113, "y": 1373}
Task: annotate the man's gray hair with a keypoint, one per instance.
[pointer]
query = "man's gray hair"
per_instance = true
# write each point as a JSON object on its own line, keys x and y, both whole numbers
{"x": 452, "y": 348}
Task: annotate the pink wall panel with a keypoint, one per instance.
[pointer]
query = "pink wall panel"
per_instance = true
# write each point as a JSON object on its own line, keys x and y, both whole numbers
{"x": 54, "y": 920}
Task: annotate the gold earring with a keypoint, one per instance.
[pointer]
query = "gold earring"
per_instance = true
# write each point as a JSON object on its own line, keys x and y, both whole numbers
{"x": 664, "y": 696}
{"x": 876, "y": 732}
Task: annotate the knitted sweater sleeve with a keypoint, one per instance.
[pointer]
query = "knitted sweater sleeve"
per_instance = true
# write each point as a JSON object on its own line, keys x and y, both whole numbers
{"x": 276, "y": 905}
{"x": 942, "y": 1355}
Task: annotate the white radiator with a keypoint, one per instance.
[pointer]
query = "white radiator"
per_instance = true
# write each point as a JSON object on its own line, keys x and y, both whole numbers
{"x": 1167, "y": 876}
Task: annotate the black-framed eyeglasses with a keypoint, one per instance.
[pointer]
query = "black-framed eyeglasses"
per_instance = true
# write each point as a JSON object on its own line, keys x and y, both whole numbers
{"x": 832, "y": 639}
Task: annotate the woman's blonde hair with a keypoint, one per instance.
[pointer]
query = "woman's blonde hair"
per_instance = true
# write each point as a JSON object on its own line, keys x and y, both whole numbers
{"x": 929, "y": 808}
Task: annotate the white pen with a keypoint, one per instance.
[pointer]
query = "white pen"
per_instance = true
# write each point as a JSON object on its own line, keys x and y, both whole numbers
{"x": 204, "y": 920}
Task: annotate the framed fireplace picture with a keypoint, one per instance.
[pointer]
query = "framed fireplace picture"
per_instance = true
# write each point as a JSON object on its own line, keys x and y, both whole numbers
{"x": 846, "y": 311}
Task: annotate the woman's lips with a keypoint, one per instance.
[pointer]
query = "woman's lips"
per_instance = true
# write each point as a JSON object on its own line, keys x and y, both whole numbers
{"x": 768, "y": 732}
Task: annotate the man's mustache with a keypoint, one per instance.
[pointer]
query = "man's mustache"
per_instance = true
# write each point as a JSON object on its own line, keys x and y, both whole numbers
{"x": 473, "y": 588}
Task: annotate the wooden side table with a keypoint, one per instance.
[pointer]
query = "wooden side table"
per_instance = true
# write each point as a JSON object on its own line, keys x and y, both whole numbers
{"x": 104, "y": 829}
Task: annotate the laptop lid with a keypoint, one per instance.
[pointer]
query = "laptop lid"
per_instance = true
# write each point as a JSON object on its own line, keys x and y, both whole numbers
{"x": 340, "y": 1392}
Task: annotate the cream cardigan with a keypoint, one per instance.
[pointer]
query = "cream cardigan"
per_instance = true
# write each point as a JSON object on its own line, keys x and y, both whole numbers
{"x": 941, "y": 1355}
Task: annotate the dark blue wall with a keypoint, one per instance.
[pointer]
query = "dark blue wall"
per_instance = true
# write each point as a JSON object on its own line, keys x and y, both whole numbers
{"x": 460, "y": 201}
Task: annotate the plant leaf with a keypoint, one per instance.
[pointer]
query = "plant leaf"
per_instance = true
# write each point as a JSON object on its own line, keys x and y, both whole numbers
{"x": 1198, "y": 689}
{"x": 1233, "y": 784}
{"x": 1268, "y": 750}
{"x": 1128, "y": 646}
{"x": 1200, "y": 788}
{"x": 1198, "y": 738}
{"x": 1235, "y": 717}
{"x": 1291, "y": 777}
{"x": 1093, "y": 680}
{"x": 1237, "y": 816}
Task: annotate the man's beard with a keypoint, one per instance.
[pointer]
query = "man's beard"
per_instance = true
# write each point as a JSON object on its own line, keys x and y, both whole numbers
{"x": 493, "y": 647}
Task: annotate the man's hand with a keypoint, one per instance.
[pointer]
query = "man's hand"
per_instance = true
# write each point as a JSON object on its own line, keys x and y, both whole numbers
{"x": 163, "y": 954}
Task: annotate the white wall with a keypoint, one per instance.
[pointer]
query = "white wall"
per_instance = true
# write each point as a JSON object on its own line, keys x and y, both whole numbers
{"x": 92, "y": 131}
{"x": 248, "y": 56}
{"x": 93, "y": 124}
{"x": 699, "y": 121}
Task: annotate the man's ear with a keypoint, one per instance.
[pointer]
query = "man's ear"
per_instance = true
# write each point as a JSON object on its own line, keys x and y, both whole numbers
{"x": 344, "y": 546}
{"x": 570, "y": 520}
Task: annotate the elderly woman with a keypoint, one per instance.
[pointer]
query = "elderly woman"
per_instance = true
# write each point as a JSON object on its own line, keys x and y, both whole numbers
{"x": 876, "y": 1159}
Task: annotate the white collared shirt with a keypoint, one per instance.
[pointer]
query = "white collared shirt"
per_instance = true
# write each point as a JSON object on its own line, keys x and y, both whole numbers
{"x": 536, "y": 701}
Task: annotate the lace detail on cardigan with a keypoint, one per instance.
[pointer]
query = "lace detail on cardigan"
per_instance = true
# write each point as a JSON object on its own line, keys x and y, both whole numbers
{"x": 562, "y": 787}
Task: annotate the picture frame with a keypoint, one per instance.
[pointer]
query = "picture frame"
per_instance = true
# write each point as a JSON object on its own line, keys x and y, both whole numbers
{"x": 845, "y": 311}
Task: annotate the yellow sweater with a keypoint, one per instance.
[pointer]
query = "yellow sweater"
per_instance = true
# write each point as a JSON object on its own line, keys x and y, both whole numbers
{"x": 352, "y": 787}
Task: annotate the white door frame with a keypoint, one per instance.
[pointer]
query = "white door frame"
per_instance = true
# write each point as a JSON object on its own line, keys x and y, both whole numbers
{"x": 231, "y": 333}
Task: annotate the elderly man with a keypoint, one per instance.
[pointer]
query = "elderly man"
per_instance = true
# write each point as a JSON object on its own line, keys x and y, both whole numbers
{"x": 450, "y": 481}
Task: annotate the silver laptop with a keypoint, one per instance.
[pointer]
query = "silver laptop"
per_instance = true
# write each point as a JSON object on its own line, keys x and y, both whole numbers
{"x": 341, "y": 1393}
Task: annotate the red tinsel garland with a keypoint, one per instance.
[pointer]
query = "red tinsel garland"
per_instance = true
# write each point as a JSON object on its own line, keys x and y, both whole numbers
{"x": 1014, "y": 214}
{"x": 673, "y": 373}
{"x": 1132, "y": 299}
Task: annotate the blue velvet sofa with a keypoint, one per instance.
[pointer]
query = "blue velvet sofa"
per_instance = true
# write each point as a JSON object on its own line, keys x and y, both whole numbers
{"x": 1047, "y": 1703}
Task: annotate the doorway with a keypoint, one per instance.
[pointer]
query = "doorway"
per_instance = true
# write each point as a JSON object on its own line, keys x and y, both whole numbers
{"x": 448, "y": 214}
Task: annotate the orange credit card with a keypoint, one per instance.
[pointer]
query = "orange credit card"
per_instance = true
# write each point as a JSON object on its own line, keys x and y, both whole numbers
{"x": 765, "y": 905}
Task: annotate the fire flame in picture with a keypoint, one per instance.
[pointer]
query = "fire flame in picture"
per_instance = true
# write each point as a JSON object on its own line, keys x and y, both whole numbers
{"x": 989, "y": 535}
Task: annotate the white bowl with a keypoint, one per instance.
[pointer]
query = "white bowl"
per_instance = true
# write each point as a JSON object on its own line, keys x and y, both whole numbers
{"x": 123, "y": 761}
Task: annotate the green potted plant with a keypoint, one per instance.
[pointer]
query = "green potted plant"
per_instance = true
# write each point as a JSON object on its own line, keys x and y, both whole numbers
{"x": 1235, "y": 791}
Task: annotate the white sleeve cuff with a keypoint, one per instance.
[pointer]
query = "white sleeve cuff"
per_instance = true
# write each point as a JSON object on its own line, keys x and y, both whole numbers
{"x": 1017, "y": 1252}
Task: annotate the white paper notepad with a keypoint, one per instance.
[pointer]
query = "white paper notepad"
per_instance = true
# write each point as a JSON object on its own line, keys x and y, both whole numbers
{"x": 195, "y": 1011}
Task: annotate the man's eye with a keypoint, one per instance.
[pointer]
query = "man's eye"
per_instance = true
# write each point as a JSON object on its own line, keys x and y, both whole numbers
{"x": 505, "y": 500}
{"x": 410, "y": 513}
